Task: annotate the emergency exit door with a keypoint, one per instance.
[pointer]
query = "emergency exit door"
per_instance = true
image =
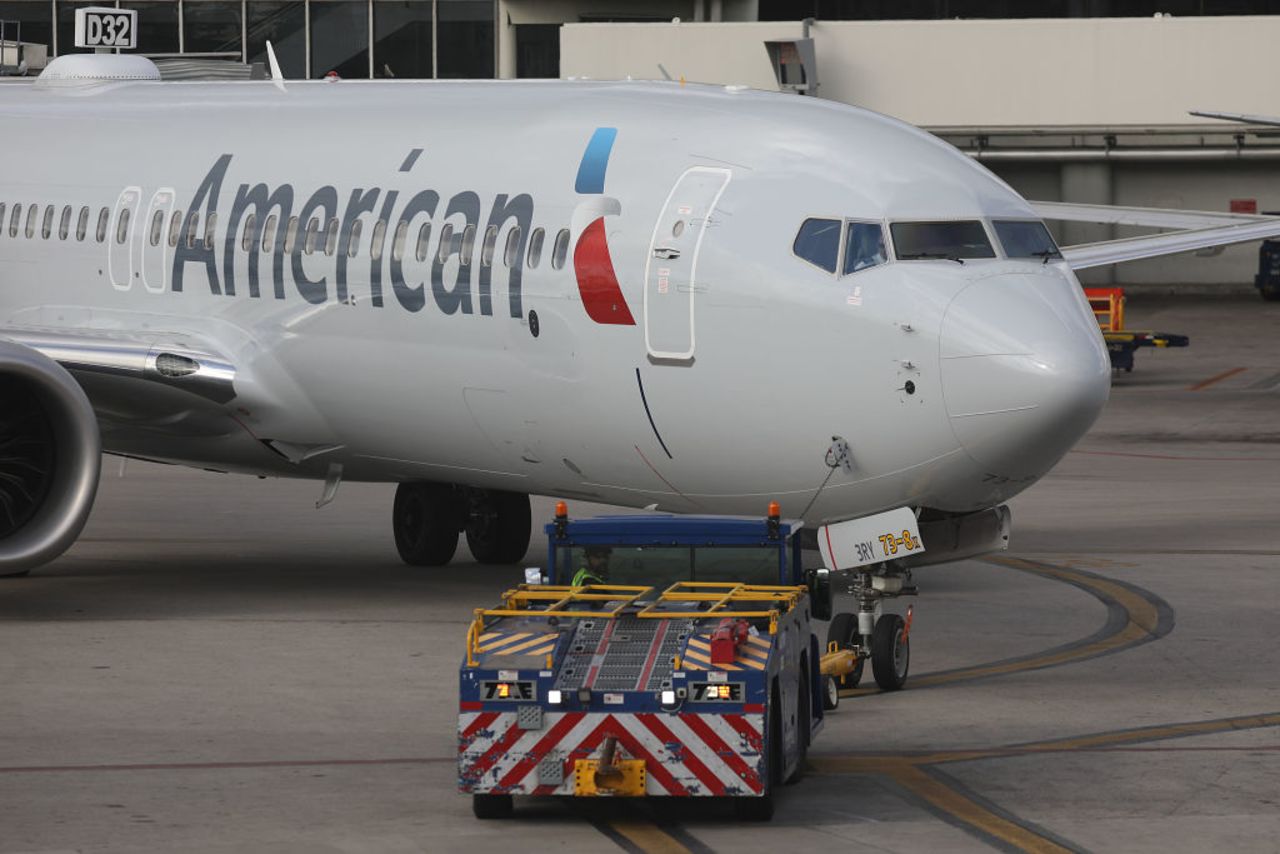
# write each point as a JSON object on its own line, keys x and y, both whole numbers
{"x": 671, "y": 283}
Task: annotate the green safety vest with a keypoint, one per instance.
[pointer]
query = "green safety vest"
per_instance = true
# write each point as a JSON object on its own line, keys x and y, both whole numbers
{"x": 584, "y": 577}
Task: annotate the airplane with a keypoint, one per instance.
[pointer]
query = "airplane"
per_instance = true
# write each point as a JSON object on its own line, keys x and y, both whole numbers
{"x": 686, "y": 297}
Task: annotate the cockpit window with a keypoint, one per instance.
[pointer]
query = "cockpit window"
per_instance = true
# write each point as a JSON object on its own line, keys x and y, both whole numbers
{"x": 819, "y": 243}
{"x": 947, "y": 241}
{"x": 863, "y": 246}
{"x": 1026, "y": 239}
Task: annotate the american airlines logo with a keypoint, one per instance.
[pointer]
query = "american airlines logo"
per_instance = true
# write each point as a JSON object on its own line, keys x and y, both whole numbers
{"x": 277, "y": 238}
{"x": 322, "y": 276}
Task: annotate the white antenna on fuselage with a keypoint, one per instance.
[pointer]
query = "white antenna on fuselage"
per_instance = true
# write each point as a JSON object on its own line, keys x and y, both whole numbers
{"x": 276, "y": 76}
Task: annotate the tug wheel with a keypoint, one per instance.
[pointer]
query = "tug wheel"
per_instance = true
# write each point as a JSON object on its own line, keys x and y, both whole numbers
{"x": 890, "y": 653}
{"x": 492, "y": 806}
{"x": 753, "y": 809}
{"x": 843, "y": 630}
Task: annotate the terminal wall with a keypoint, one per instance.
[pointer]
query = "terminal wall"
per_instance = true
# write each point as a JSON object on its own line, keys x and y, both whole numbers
{"x": 989, "y": 73}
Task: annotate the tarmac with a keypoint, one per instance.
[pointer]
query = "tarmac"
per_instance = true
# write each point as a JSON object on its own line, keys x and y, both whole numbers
{"x": 217, "y": 666}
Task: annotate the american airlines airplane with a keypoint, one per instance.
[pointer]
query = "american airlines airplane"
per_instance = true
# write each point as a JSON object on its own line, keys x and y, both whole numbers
{"x": 695, "y": 298}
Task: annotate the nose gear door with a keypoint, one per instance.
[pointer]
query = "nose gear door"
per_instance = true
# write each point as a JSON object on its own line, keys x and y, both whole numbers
{"x": 671, "y": 268}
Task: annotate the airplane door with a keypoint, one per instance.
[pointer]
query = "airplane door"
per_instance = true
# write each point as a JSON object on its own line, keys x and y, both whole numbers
{"x": 671, "y": 268}
{"x": 155, "y": 240}
{"x": 120, "y": 238}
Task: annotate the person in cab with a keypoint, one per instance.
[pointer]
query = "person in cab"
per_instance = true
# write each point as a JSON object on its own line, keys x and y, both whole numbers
{"x": 596, "y": 568}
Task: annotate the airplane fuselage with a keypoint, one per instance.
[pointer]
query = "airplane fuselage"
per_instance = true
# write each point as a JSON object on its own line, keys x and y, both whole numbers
{"x": 363, "y": 255}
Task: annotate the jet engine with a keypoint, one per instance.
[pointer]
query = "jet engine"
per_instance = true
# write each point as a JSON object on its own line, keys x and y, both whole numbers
{"x": 50, "y": 456}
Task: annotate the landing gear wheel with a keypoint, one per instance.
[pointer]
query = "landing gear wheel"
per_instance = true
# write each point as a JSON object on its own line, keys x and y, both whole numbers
{"x": 500, "y": 526}
{"x": 425, "y": 521}
{"x": 843, "y": 630}
{"x": 492, "y": 806}
{"x": 830, "y": 693}
{"x": 890, "y": 654}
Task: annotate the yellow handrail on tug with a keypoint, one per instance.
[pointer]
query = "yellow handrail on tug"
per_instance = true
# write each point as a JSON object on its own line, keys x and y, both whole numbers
{"x": 725, "y": 599}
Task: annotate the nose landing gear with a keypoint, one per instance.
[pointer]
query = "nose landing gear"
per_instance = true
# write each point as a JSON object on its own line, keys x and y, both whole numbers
{"x": 870, "y": 633}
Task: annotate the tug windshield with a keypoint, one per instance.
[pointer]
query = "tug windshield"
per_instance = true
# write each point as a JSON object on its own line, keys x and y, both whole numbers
{"x": 662, "y": 566}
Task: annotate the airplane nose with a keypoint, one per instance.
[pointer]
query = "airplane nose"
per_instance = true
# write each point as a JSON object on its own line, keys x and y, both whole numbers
{"x": 1025, "y": 372}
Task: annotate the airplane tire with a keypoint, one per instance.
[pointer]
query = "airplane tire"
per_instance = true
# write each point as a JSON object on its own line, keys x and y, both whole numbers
{"x": 843, "y": 630}
{"x": 890, "y": 656}
{"x": 500, "y": 526}
{"x": 492, "y": 806}
{"x": 425, "y": 523}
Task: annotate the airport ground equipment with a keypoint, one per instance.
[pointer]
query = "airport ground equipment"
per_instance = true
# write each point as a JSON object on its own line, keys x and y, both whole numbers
{"x": 1108, "y": 308}
{"x": 1267, "y": 281}
{"x": 691, "y": 670}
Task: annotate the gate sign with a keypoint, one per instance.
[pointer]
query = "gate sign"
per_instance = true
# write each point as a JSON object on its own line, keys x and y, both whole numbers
{"x": 106, "y": 27}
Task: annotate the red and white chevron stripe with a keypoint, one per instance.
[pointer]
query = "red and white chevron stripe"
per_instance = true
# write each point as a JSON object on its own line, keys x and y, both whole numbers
{"x": 684, "y": 754}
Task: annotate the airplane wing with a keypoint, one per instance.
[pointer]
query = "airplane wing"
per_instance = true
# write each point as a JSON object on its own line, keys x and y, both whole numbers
{"x": 1243, "y": 118}
{"x": 1196, "y": 230}
{"x": 1135, "y": 248}
{"x": 153, "y": 361}
{"x": 1154, "y": 217}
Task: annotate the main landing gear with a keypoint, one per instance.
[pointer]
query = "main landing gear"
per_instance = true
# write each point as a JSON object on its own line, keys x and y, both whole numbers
{"x": 428, "y": 517}
{"x": 871, "y": 633}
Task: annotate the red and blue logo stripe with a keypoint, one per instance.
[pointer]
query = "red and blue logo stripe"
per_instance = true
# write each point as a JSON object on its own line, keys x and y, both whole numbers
{"x": 597, "y": 282}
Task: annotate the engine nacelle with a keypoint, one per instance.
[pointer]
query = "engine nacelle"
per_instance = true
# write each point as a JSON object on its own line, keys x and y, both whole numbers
{"x": 50, "y": 457}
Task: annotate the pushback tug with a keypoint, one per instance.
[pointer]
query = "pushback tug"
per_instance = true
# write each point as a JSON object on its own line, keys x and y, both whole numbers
{"x": 688, "y": 667}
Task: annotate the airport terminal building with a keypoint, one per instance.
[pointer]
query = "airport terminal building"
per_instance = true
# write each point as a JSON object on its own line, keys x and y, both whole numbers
{"x": 1087, "y": 103}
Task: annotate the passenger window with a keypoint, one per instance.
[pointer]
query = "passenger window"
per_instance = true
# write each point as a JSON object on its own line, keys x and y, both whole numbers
{"x": 818, "y": 242}
{"x": 122, "y": 226}
{"x": 863, "y": 246}
{"x": 561, "y": 250}
{"x": 353, "y": 244}
{"x": 193, "y": 228}
{"x": 468, "y": 245}
{"x": 32, "y": 212}
{"x": 64, "y": 225}
{"x": 104, "y": 219}
{"x": 14, "y": 220}
{"x": 246, "y": 240}
{"x": 424, "y": 241}
{"x": 486, "y": 250}
{"x": 157, "y": 228}
{"x": 947, "y": 241}
{"x": 290, "y": 235}
{"x": 313, "y": 232}
{"x": 513, "y": 247}
{"x": 175, "y": 227}
{"x": 397, "y": 244}
{"x": 46, "y": 227}
{"x": 331, "y": 237}
{"x": 2, "y": 206}
{"x": 1026, "y": 239}
{"x": 210, "y": 230}
{"x": 269, "y": 233}
{"x": 446, "y": 242}
{"x": 535, "y": 247}
{"x": 378, "y": 237}
{"x": 82, "y": 224}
